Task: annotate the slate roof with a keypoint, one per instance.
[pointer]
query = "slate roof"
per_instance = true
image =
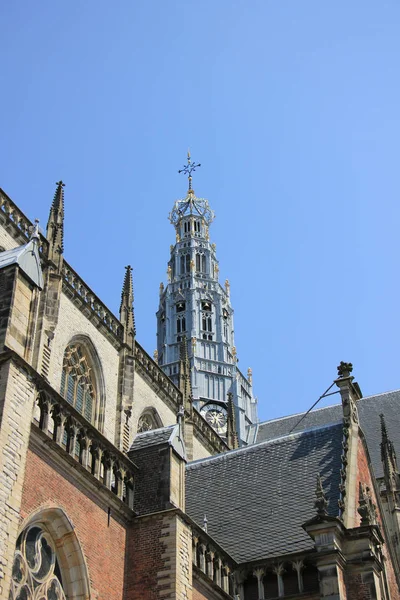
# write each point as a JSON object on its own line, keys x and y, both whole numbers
{"x": 27, "y": 257}
{"x": 256, "y": 498}
{"x": 369, "y": 409}
{"x": 171, "y": 435}
{"x": 153, "y": 437}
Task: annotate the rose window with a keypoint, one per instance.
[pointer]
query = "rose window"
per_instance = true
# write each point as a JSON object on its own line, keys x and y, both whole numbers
{"x": 36, "y": 574}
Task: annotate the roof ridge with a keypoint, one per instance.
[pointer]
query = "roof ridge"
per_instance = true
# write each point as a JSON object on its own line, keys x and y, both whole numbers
{"x": 253, "y": 447}
{"x": 151, "y": 431}
{"x": 299, "y": 414}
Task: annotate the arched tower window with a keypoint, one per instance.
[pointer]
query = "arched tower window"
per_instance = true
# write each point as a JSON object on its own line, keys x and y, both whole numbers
{"x": 78, "y": 383}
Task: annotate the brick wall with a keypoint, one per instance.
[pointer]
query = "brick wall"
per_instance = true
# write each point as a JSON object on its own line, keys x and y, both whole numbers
{"x": 364, "y": 476}
{"x": 103, "y": 546}
{"x": 159, "y": 561}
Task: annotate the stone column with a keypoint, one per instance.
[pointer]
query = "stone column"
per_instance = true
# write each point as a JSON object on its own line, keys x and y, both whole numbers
{"x": 259, "y": 573}
{"x": 298, "y": 566}
{"x": 279, "y": 570}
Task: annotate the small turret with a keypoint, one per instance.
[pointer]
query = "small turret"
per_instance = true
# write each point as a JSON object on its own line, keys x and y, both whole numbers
{"x": 126, "y": 313}
{"x": 55, "y": 226}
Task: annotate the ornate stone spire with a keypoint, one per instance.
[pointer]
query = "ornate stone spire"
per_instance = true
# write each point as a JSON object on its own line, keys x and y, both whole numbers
{"x": 389, "y": 459}
{"x": 184, "y": 375}
{"x": 321, "y": 503}
{"x": 231, "y": 433}
{"x": 55, "y": 224}
{"x": 126, "y": 313}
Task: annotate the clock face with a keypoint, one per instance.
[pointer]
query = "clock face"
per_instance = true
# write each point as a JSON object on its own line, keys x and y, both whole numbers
{"x": 216, "y": 416}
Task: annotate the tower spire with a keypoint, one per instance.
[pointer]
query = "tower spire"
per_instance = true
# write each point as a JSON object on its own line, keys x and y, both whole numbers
{"x": 184, "y": 374}
{"x": 231, "y": 433}
{"x": 55, "y": 224}
{"x": 388, "y": 457}
{"x": 188, "y": 170}
{"x": 127, "y": 316}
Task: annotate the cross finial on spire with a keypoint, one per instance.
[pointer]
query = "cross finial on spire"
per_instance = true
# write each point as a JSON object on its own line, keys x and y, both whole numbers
{"x": 189, "y": 169}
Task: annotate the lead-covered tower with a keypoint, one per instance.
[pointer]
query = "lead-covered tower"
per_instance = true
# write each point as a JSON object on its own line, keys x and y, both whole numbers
{"x": 194, "y": 308}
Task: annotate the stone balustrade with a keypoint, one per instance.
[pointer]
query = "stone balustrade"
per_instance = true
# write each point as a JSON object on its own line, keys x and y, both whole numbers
{"x": 85, "y": 444}
{"x": 91, "y": 301}
{"x": 157, "y": 376}
{"x": 21, "y": 224}
{"x": 278, "y": 579}
{"x": 212, "y": 561}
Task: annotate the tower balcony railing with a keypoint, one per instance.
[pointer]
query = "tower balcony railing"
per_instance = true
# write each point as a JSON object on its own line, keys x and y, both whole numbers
{"x": 84, "y": 444}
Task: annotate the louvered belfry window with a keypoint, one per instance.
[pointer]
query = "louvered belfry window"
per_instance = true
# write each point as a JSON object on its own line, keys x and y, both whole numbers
{"x": 77, "y": 385}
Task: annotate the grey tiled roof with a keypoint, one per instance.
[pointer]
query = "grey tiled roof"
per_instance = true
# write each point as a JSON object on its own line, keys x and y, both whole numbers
{"x": 257, "y": 498}
{"x": 369, "y": 409}
{"x": 153, "y": 437}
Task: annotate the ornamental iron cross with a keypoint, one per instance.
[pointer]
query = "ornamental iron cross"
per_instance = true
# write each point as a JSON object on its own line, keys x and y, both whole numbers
{"x": 189, "y": 168}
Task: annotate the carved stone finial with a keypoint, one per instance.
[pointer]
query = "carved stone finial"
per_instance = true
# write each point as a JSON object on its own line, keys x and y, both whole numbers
{"x": 205, "y": 523}
{"x": 180, "y": 415}
{"x": 169, "y": 273}
{"x": 321, "y": 503}
{"x": 126, "y": 307}
{"x": 155, "y": 356}
{"x": 161, "y": 288}
{"x": 366, "y": 507}
{"x": 34, "y": 231}
{"x": 250, "y": 375}
{"x": 344, "y": 369}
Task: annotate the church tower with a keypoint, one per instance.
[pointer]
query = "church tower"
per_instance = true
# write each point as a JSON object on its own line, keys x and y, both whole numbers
{"x": 195, "y": 309}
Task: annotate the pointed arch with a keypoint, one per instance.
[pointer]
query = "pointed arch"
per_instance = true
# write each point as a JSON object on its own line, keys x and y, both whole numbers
{"x": 149, "y": 419}
{"x": 49, "y": 554}
{"x": 82, "y": 379}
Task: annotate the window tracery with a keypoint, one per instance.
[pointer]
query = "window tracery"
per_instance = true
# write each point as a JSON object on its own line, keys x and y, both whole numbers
{"x": 36, "y": 574}
{"x": 148, "y": 420}
{"x": 77, "y": 382}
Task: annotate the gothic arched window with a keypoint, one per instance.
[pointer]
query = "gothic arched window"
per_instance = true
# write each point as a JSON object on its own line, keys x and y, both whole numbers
{"x": 149, "y": 419}
{"x": 36, "y": 572}
{"x": 77, "y": 381}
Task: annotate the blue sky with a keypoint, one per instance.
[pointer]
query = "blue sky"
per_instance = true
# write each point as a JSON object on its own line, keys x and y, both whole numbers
{"x": 293, "y": 110}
